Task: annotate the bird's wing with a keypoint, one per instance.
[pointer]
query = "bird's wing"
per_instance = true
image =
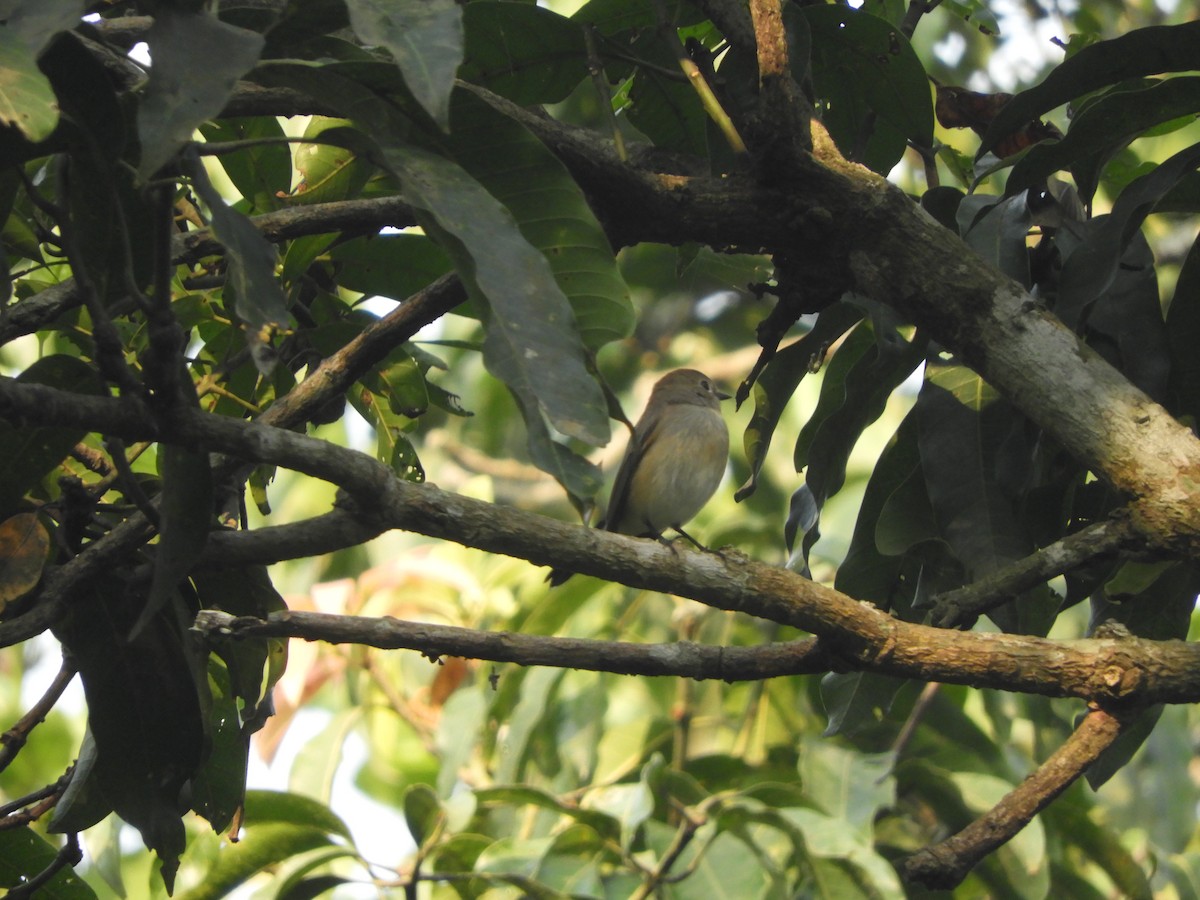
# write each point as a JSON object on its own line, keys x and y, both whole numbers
{"x": 619, "y": 498}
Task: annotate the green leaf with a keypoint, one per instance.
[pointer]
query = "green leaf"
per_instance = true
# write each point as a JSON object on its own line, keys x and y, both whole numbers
{"x": 197, "y": 60}
{"x": 262, "y": 847}
{"x": 857, "y": 700}
{"x": 27, "y": 101}
{"x": 219, "y": 786}
{"x": 27, "y": 455}
{"x": 531, "y": 341}
{"x": 551, "y": 212}
{"x": 260, "y": 173}
{"x": 388, "y": 265}
{"x": 257, "y": 295}
{"x": 1142, "y": 52}
{"x": 850, "y": 786}
{"x": 426, "y": 39}
{"x": 782, "y": 376}
{"x": 1103, "y": 127}
{"x": 422, "y": 813}
{"x": 24, "y": 853}
{"x": 186, "y": 517}
{"x": 1183, "y": 334}
{"x": 864, "y": 67}
{"x": 522, "y": 51}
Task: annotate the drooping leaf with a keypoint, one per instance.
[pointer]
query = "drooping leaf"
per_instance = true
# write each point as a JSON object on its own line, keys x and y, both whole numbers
{"x": 531, "y": 341}
{"x": 257, "y": 296}
{"x": 425, "y": 37}
{"x": 1089, "y": 271}
{"x": 996, "y": 230}
{"x": 865, "y": 69}
{"x": 1143, "y": 52}
{"x": 196, "y": 60}
{"x": 144, "y": 711}
{"x": 551, "y": 212}
{"x": 782, "y": 377}
{"x": 27, "y": 101}
{"x": 1102, "y": 128}
{"x": 186, "y": 513}
{"x": 1183, "y": 331}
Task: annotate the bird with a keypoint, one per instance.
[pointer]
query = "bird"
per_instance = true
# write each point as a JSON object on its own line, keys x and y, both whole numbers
{"x": 673, "y": 464}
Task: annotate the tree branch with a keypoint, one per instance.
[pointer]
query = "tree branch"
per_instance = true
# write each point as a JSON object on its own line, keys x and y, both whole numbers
{"x": 961, "y": 607}
{"x": 1105, "y": 669}
{"x": 943, "y": 866}
{"x": 684, "y": 658}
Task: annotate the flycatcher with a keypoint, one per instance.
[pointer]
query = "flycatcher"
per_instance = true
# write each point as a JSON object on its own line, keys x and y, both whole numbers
{"x": 674, "y": 462}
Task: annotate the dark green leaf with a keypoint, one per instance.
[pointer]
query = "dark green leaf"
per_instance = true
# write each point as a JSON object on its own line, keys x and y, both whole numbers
{"x": 875, "y": 86}
{"x": 551, "y": 212}
{"x": 388, "y": 265}
{"x": 782, "y": 377}
{"x": 186, "y": 513}
{"x": 29, "y": 454}
{"x": 422, "y": 813}
{"x": 197, "y": 60}
{"x": 426, "y": 39}
{"x": 27, "y": 101}
{"x": 1183, "y": 336}
{"x": 522, "y": 51}
{"x": 24, "y": 853}
{"x": 219, "y": 786}
{"x": 996, "y": 230}
{"x": 1145, "y": 51}
{"x": 1103, "y": 127}
{"x": 257, "y": 296}
{"x": 259, "y": 173}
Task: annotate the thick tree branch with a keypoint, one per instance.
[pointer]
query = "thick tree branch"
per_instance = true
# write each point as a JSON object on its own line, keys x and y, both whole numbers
{"x": 944, "y": 865}
{"x": 1130, "y": 670}
{"x": 683, "y": 658}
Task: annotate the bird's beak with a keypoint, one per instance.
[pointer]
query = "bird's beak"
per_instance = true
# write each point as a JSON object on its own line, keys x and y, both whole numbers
{"x": 721, "y": 395}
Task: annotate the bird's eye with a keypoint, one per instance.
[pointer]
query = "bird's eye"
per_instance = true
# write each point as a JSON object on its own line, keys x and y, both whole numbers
{"x": 705, "y": 384}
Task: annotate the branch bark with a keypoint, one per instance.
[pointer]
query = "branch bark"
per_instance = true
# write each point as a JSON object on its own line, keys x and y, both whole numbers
{"x": 683, "y": 658}
{"x": 944, "y": 865}
{"x": 1123, "y": 670}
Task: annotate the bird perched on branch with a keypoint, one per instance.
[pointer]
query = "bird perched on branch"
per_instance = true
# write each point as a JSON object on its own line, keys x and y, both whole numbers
{"x": 674, "y": 461}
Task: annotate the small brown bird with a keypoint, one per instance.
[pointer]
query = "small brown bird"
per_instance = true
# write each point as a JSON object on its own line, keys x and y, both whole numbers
{"x": 674, "y": 462}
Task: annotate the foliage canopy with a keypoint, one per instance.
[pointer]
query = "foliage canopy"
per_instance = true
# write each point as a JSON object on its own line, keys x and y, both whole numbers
{"x": 368, "y": 246}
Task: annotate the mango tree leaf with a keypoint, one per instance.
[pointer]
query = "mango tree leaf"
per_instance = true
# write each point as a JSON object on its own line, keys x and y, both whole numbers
{"x": 23, "y": 851}
{"x": 27, "y": 101}
{"x": 1145, "y": 51}
{"x": 522, "y": 51}
{"x": 219, "y": 786}
{"x": 388, "y": 265}
{"x": 848, "y": 785}
{"x": 1102, "y": 128}
{"x": 257, "y": 295}
{"x": 1183, "y": 333}
{"x": 863, "y": 66}
{"x": 782, "y": 376}
{"x": 426, "y": 39}
{"x": 28, "y": 454}
{"x": 996, "y": 230}
{"x": 186, "y": 513}
{"x": 144, "y": 712}
{"x": 551, "y": 212}
{"x": 1089, "y": 270}
{"x": 196, "y": 61}
{"x": 531, "y": 343}
{"x": 260, "y": 173}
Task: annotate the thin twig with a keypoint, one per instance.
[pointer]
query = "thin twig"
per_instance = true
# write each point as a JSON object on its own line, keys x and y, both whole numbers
{"x": 961, "y": 607}
{"x": 14, "y": 739}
